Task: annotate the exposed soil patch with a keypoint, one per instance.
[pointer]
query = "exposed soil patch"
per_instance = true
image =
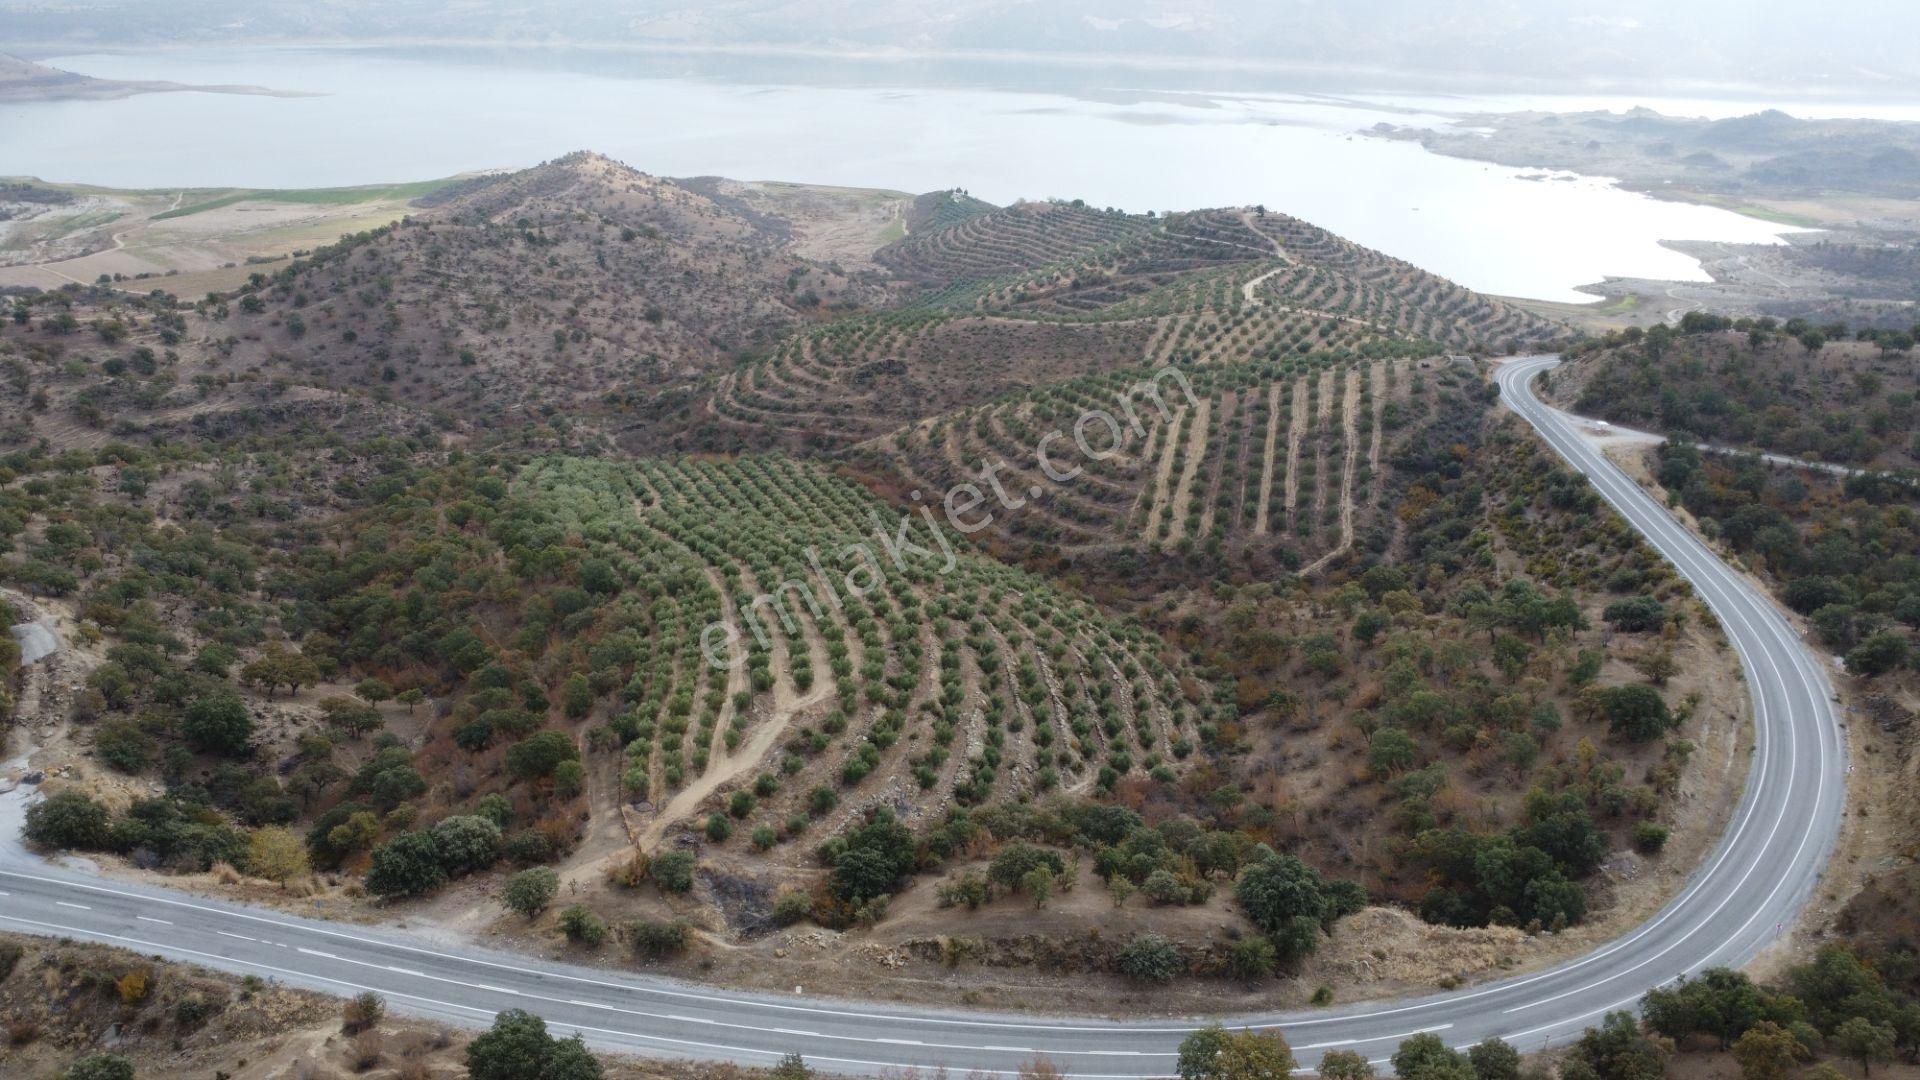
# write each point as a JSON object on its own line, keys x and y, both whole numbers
{"x": 1269, "y": 450}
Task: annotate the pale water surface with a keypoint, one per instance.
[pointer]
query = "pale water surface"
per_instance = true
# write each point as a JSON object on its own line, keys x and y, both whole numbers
{"x": 390, "y": 115}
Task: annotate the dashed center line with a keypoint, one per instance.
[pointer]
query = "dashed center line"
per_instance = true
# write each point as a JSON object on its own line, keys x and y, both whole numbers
{"x": 77, "y": 907}
{"x": 151, "y": 919}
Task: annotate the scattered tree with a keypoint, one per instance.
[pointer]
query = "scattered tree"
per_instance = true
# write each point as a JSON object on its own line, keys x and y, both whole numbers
{"x": 530, "y": 891}
{"x": 276, "y": 854}
{"x": 1214, "y": 1053}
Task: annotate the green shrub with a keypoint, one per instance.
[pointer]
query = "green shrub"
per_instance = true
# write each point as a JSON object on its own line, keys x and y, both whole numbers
{"x": 467, "y": 843}
{"x": 528, "y": 847}
{"x": 538, "y": 755}
{"x": 121, "y": 744}
{"x": 1214, "y": 1053}
{"x": 100, "y": 1067}
{"x": 362, "y": 1012}
{"x": 653, "y": 939}
{"x": 530, "y": 891}
{"x": 1018, "y": 859}
{"x": 1636, "y": 713}
{"x": 673, "y": 871}
{"x": 1251, "y": 958}
{"x": 1636, "y": 614}
{"x": 1879, "y": 654}
{"x": 791, "y": 907}
{"x": 583, "y": 927}
{"x": 871, "y": 860}
{"x": 407, "y": 865}
{"x": 192, "y": 1010}
{"x": 518, "y": 1047}
{"x": 1148, "y": 958}
{"x": 218, "y": 724}
{"x": 67, "y": 819}
{"x": 792, "y": 1067}
{"x": 968, "y": 889}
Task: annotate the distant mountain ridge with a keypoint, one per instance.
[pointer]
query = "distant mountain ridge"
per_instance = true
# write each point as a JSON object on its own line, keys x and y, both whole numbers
{"x": 1750, "y": 42}
{"x": 1768, "y": 152}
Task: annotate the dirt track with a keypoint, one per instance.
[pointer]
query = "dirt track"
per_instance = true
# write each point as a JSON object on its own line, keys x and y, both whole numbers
{"x": 1350, "y": 424}
{"x": 725, "y": 768}
{"x": 1295, "y": 431}
{"x": 1196, "y": 450}
{"x": 1269, "y": 450}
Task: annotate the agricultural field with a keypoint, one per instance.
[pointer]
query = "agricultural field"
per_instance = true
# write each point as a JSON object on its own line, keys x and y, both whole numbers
{"x": 188, "y": 241}
{"x": 1037, "y": 294}
{"x": 1274, "y": 461}
{"x": 756, "y": 561}
{"x": 847, "y": 668}
{"x": 1065, "y": 261}
{"x": 856, "y": 378}
{"x": 619, "y": 649}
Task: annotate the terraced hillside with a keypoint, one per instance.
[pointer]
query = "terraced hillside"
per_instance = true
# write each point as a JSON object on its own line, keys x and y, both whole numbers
{"x": 1064, "y": 260}
{"x": 1037, "y": 293}
{"x": 940, "y": 209}
{"x": 781, "y": 648}
{"x": 707, "y": 315}
{"x": 957, "y": 245}
{"x": 856, "y": 378}
{"x": 1276, "y": 461}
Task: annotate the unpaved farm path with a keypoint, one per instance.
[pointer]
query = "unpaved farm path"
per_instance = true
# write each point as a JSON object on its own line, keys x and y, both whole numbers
{"x": 1377, "y": 383}
{"x": 1350, "y": 424}
{"x": 1196, "y": 449}
{"x": 1247, "y": 291}
{"x": 1321, "y": 423}
{"x": 1162, "y": 477}
{"x": 724, "y": 768}
{"x": 1294, "y": 432}
{"x": 1267, "y": 456}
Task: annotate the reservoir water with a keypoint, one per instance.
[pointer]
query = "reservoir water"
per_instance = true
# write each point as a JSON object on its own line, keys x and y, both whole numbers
{"x": 382, "y": 115}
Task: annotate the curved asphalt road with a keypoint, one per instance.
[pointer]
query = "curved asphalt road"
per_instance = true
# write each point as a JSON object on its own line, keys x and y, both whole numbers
{"x": 1754, "y": 882}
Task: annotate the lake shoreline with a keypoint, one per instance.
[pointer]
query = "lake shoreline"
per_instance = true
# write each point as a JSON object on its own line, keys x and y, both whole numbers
{"x": 24, "y": 82}
{"x": 1483, "y": 226}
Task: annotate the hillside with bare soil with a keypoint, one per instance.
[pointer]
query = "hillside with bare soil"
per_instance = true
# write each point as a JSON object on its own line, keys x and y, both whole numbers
{"x": 966, "y": 580}
{"x": 551, "y": 288}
